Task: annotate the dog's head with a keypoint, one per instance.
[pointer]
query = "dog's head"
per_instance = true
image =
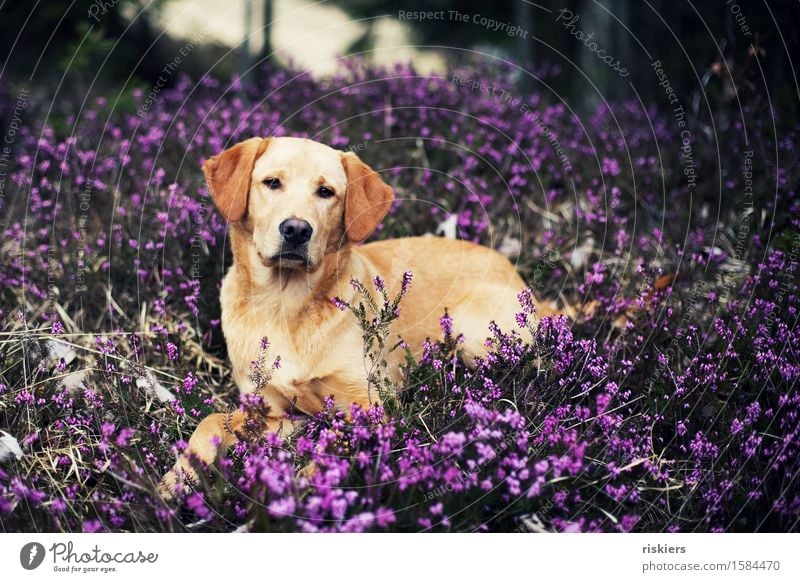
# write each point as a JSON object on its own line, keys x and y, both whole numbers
{"x": 300, "y": 199}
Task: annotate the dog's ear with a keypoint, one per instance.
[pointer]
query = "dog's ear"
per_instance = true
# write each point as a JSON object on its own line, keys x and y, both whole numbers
{"x": 229, "y": 175}
{"x": 367, "y": 200}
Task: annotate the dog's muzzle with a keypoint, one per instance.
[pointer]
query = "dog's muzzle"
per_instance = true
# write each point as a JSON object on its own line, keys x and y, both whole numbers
{"x": 293, "y": 251}
{"x": 295, "y": 233}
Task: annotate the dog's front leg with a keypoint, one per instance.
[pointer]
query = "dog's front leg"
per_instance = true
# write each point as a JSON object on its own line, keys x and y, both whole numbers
{"x": 215, "y": 433}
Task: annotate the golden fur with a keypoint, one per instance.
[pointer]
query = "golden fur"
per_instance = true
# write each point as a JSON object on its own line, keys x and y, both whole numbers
{"x": 289, "y": 302}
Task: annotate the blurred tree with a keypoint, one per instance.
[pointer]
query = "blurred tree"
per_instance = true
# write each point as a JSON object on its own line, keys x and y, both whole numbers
{"x": 35, "y": 35}
{"x": 102, "y": 47}
{"x": 266, "y": 48}
{"x": 697, "y": 42}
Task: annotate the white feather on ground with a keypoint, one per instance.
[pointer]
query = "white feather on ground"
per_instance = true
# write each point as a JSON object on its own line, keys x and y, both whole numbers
{"x": 57, "y": 350}
{"x": 579, "y": 257}
{"x": 9, "y": 446}
{"x": 74, "y": 381}
{"x": 153, "y": 387}
{"x": 510, "y": 247}
{"x": 449, "y": 227}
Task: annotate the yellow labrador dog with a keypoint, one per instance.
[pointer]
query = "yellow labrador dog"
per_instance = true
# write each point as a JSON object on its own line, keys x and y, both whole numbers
{"x": 298, "y": 213}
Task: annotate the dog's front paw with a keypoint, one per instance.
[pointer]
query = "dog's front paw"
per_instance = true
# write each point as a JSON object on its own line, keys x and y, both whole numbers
{"x": 177, "y": 481}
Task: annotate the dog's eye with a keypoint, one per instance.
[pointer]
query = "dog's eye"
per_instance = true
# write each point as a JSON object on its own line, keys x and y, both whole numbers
{"x": 272, "y": 183}
{"x": 324, "y": 192}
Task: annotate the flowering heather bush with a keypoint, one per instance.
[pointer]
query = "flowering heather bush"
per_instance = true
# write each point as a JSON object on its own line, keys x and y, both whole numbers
{"x": 685, "y": 418}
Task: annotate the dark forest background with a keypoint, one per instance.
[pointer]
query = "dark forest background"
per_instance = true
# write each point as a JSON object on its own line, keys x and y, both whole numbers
{"x": 60, "y": 44}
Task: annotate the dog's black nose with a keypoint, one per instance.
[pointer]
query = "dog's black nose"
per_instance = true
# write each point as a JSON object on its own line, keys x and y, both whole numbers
{"x": 295, "y": 232}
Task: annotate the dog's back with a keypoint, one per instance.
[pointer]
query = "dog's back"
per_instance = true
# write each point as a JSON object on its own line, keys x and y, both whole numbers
{"x": 475, "y": 284}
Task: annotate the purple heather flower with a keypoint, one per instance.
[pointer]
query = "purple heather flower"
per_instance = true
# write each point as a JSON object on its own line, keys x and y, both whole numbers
{"x": 446, "y": 323}
{"x": 542, "y": 417}
{"x": 189, "y": 383}
{"x": 92, "y": 526}
{"x": 405, "y": 284}
{"x": 197, "y": 504}
{"x": 340, "y": 304}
